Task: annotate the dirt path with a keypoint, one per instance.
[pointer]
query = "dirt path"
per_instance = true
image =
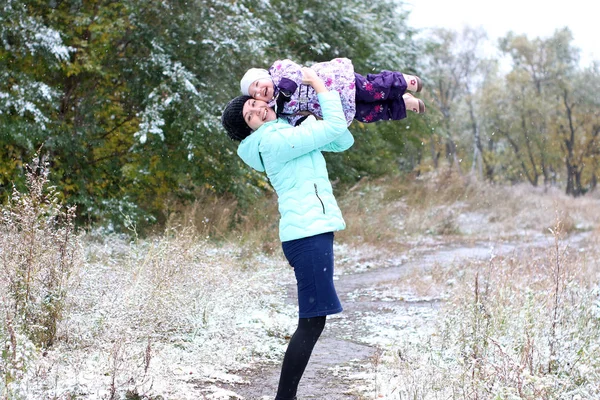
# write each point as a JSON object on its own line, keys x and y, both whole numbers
{"x": 376, "y": 312}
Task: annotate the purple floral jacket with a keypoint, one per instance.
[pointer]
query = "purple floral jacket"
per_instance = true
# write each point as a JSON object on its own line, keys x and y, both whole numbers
{"x": 337, "y": 74}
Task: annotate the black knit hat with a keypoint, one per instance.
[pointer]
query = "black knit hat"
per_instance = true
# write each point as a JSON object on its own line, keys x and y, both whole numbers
{"x": 233, "y": 119}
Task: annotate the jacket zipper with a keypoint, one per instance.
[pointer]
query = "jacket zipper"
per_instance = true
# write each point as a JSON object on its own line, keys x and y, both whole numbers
{"x": 317, "y": 193}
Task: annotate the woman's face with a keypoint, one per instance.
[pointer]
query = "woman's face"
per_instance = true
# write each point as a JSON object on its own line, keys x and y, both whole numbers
{"x": 261, "y": 89}
{"x": 256, "y": 113}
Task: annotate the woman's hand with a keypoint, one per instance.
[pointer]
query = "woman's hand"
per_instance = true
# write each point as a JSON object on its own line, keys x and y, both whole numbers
{"x": 310, "y": 77}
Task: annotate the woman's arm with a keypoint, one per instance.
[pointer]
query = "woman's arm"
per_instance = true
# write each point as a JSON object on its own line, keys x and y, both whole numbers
{"x": 340, "y": 144}
{"x": 344, "y": 141}
{"x": 287, "y": 142}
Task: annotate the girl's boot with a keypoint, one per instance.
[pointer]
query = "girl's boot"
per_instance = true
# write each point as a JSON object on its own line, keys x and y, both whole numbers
{"x": 413, "y": 82}
{"x": 413, "y": 104}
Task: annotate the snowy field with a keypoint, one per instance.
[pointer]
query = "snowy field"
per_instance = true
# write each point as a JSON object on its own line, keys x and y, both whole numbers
{"x": 474, "y": 305}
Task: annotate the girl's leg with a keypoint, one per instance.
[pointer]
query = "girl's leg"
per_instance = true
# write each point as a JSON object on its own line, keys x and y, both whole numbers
{"x": 382, "y": 87}
{"x": 414, "y": 104}
{"x": 297, "y": 355}
{"x": 373, "y": 112}
{"x": 382, "y": 96}
{"x": 379, "y": 96}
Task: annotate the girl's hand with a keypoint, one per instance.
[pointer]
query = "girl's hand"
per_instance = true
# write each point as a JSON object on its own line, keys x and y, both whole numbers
{"x": 310, "y": 77}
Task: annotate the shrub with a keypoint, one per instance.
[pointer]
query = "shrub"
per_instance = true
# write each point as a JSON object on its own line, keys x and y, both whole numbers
{"x": 38, "y": 252}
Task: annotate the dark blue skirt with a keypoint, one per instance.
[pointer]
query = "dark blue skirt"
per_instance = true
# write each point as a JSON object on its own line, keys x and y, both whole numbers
{"x": 312, "y": 260}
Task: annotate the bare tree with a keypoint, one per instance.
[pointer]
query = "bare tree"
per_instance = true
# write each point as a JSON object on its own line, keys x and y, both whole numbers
{"x": 454, "y": 66}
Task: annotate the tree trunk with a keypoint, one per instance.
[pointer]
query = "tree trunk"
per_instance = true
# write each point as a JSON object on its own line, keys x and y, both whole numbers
{"x": 477, "y": 147}
{"x": 435, "y": 155}
{"x": 532, "y": 178}
{"x": 573, "y": 172}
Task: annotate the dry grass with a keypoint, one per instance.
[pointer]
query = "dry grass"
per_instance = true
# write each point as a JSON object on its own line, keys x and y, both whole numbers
{"x": 219, "y": 219}
{"x": 149, "y": 314}
{"x": 395, "y": 210}
{"x": 523, "y": 325}
{"x": 444, "y": 203}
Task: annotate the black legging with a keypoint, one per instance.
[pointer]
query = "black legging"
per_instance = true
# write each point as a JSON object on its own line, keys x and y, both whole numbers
{"x": 297, "y": 355}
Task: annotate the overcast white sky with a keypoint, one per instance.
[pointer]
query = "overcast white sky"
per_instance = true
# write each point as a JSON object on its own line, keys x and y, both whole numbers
{"x": 531, "y": 17}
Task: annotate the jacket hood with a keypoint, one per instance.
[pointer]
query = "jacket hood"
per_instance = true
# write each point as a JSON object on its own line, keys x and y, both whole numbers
{"x": 249, "y": 152}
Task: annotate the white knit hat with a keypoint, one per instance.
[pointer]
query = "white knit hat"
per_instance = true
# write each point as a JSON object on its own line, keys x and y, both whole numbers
{"x": 252, "y": 75}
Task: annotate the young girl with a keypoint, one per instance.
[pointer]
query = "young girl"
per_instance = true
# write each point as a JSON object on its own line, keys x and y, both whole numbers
{"x": 309, "y": 214}
{"x": 372, "y": 98}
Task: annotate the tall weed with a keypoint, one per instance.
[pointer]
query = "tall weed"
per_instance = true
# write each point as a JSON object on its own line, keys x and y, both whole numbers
{"x": 38, "y": 252}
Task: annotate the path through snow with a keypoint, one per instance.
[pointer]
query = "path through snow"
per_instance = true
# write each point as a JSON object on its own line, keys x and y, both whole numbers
{"x": 376, "y": 313}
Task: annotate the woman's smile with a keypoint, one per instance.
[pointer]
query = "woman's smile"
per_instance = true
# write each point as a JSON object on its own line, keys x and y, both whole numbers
{"x": 256, "y": 113}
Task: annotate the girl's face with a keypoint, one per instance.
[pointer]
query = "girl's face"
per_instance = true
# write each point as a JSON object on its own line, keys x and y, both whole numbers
{"x": 256, "y": 113}
{"x": 262, "y": 89}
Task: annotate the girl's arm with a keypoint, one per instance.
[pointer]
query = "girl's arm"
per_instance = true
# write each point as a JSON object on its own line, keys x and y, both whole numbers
{"x": 286, "y": 75}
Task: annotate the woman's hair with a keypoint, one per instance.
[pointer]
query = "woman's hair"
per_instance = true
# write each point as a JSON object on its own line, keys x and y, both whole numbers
{"x": 233, "y": 119}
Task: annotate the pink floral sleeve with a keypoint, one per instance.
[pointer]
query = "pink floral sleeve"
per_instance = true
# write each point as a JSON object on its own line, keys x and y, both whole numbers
{"x": 285, "y": 69}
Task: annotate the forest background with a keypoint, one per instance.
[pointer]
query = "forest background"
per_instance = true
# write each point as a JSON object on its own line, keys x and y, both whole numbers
{"x": 123, "y": 99}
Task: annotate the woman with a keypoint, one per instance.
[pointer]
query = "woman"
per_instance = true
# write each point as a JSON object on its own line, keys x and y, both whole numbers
{"x": 292, "y": 159}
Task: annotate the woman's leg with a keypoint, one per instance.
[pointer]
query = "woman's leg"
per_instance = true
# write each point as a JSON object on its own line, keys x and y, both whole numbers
{"x": 313, "y": 261}
{"x": 297, "y": 355}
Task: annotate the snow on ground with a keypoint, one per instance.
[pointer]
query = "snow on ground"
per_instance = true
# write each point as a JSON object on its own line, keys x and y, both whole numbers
{"x": 181, "y": 317}
{"x": 188, "y": 319}
{"x": 168, "y": 317}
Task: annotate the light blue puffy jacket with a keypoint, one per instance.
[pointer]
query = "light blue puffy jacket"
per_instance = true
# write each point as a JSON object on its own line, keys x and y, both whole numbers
{"x": 292, "y": 159}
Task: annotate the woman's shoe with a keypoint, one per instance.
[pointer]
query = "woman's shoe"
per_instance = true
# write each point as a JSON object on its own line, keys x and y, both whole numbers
{"x": 413, "y": 83}
{"x": 413, "y": 104}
